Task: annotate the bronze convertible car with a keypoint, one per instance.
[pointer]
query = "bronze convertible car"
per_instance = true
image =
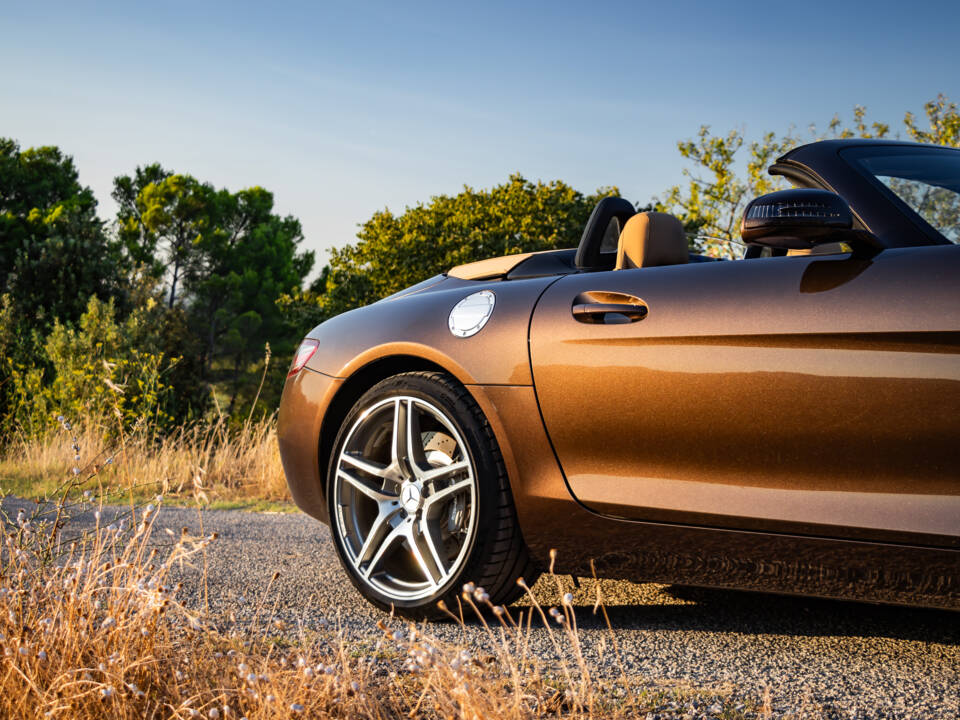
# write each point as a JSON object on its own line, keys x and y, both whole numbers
{"x": 786, "y": 422}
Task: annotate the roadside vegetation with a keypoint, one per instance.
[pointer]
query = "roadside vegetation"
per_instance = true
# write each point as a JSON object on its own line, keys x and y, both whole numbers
{"x": 98, "y": 622}
{"x": 206, "y": 463}
{"x": 164, "y": 337}
{"x": 173, "y": 309}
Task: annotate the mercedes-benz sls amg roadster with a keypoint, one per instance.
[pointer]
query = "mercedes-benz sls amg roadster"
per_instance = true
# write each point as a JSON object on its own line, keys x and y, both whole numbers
{"x": 786, "y": 422}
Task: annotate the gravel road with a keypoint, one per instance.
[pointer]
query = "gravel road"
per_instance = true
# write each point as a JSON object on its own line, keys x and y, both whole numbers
{"x": 851, "y": 660}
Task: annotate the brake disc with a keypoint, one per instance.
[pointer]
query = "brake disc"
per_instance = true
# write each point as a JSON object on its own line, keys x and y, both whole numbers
{"x": 438, "y": 447}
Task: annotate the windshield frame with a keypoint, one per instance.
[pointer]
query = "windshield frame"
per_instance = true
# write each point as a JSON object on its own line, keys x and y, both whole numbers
{"x": 852, "y": 155}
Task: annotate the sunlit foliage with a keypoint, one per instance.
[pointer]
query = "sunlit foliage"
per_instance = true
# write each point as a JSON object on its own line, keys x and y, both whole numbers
{"x": 394, "y": 251}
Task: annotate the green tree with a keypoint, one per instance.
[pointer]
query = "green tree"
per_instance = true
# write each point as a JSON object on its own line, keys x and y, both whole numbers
{"x": 165, "y": 331}
{"x": 860, "y": 128}
{"x": 226, "y": 257}
{"x": 944, "y": 122}
{"x": 721, "y": 182}
{"x": 247, "y": 260}
{"x": 716, "y": 193}
{"x": 161, "y": 218}
{"x": 395, "y": 251}
{"x": 940, "y": 206}
{"x": 105, "y": 370}
{"x": 54, "y": 253}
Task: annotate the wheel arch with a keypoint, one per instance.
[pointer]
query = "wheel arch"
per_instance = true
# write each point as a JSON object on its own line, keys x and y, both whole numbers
{"x": 353, "y": 387}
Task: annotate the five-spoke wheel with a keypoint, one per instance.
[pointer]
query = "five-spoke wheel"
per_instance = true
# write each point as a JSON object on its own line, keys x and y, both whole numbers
{"x": 405, "y": 494}
{"x": 419, "y": 500}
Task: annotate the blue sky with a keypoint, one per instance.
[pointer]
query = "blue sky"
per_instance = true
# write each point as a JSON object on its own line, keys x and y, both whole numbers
{"x": 343, "y": 109}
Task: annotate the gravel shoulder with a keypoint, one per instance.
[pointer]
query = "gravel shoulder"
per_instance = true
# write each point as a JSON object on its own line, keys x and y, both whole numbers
{"x": 845, "y": 659}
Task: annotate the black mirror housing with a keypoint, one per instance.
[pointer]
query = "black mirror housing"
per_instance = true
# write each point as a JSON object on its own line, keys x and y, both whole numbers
{"x": 797, "y": 219}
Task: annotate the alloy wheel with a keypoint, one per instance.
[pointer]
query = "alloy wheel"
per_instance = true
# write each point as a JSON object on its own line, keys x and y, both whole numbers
{"x": 405, "y": 496}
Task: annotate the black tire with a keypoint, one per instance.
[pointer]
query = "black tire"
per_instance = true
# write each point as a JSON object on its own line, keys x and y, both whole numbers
{"x": 497, "y": 555}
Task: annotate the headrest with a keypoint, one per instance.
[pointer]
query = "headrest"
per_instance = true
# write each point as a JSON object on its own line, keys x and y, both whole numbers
{"x": 650, "y": 239}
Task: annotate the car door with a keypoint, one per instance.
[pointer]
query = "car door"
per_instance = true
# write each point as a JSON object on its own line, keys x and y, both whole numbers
{"x": 816, "y": 395}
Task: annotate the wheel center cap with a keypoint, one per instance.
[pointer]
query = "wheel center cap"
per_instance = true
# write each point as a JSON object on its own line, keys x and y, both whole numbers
{"x": 410, "y": 498}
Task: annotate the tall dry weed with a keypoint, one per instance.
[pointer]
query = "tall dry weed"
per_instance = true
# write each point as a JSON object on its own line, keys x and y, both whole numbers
{"x": 95, "y": 622}
{"x": 221, "y": 462}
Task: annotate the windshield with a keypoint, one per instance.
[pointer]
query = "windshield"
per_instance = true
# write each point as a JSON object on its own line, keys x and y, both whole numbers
{"x": 926, "y": 179}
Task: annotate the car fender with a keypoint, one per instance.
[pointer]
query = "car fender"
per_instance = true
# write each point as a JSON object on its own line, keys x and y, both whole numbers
{"x": 416, "y": 325}
{"x": 493, "y": 366}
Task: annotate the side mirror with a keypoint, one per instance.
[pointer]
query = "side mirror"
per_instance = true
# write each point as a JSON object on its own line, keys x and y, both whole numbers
{"x": 800, "y": 219}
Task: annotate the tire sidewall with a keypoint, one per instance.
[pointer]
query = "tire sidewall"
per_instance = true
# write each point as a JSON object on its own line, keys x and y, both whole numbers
{"x": 487, "y": 464}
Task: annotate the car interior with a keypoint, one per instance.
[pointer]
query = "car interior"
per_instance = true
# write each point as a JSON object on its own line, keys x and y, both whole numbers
{"x": 651, "y": 239}
{"x": 617, "y": 237}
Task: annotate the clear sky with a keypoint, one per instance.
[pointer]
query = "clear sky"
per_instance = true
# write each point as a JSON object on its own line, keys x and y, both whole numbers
{"x": 342, "y": 109}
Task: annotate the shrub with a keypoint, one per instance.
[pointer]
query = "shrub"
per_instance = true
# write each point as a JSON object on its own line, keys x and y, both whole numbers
{"x": 98, "y": 372}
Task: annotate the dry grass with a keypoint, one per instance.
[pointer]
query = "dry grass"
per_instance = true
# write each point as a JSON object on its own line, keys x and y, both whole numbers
{"x": 205, "y": 462}
{"x": 96, "y": 624}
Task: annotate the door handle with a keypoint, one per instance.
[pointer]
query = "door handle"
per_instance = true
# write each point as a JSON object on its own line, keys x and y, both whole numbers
{"x": 598, "y": 312}
{"x": 608, "y": 308}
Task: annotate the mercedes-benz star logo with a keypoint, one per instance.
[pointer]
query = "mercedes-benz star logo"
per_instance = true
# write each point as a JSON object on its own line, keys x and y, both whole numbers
{"x": 410, "y": 497}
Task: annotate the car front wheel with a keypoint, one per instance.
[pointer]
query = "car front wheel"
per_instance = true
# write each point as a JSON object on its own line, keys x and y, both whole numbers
{"x": 419, "y": 498}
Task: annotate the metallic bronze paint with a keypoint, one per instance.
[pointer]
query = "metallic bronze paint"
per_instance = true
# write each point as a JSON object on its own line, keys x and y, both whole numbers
{"x": 787, "y": 425}
{"x": 661, "y": 552}
{"x": 824, "y": 416}
{"x": 588, "y": 542}
{"x": 306, "y": 397}
{"x": 417, "y": 325}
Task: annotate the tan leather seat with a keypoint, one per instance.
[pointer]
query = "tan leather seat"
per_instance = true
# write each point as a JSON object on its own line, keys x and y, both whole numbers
{"x": 650, "y": 239}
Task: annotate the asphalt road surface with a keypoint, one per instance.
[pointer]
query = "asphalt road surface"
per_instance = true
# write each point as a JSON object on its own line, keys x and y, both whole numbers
{"x": 852, "y": 660}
